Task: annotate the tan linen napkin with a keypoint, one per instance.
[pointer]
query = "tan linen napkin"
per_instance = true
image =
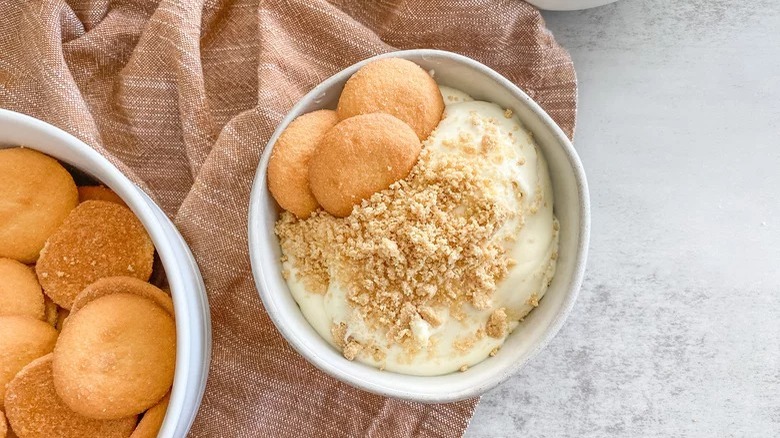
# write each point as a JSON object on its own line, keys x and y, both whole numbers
{"x": 182, "y": 96}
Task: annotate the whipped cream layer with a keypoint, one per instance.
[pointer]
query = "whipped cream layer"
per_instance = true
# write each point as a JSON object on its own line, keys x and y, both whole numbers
{"x": 520, "y": 182}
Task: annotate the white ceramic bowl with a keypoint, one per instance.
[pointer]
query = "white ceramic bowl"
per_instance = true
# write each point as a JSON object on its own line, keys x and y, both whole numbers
{"x": 193, "y": 323}
{"x": 568, "y": 5}
{"x": 571, "y": 207}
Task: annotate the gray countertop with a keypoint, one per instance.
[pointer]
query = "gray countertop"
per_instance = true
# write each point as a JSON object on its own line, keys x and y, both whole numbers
{"x": 676, "y": 331}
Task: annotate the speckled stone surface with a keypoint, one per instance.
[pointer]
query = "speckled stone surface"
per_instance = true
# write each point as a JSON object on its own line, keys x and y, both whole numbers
{"x": 676, "y": 332}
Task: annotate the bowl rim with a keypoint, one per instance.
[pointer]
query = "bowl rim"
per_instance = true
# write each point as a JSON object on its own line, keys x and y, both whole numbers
{"x": 296, "y": 340}
{"x": 193, "y": 321}
{"x": 569, "y": 5}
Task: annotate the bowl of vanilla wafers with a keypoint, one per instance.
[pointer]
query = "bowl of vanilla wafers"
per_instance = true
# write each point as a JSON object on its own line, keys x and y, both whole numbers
{"x": 104, "y": 322}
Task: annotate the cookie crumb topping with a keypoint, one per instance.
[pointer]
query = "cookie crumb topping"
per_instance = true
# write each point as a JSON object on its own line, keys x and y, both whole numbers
{"x": 423, "y": 244}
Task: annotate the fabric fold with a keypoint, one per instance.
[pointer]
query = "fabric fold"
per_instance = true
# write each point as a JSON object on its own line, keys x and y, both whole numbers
{"x": 182, "y": 96}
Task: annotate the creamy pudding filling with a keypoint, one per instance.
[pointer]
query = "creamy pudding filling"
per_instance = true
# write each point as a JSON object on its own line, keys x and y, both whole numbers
{"x": 431, "y": 275}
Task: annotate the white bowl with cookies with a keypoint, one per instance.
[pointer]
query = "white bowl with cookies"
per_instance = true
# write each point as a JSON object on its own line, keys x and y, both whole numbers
{"x": 418, "y": 226}
{"x": 569, "y": 5}
{"x": 104, "y": 320}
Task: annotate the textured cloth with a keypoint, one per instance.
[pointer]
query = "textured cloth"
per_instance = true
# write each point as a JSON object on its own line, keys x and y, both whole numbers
{"x": 182, "y": 96}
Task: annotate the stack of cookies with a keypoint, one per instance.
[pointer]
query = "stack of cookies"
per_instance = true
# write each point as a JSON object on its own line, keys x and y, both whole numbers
{"x": 336, "y": 159}
{"x": 87, "y": 344}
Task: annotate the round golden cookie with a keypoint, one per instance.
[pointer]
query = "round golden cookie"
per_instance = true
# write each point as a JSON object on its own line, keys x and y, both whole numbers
{"x": 98, "y": 239}
{"x": 394, "y": 86}
{"x": 51, "y": 311}
{"x": 115, "y": 357}
{"x": 99, "y": 193}
{"x": 288, "y": 167}
{"x": 20, "y": 293}
{"x": 150, "y": 423}
{"x": 34, "y": 409}
{"x": 127, "y": 285}
{"x": 22, "y": 339}
{"x": 359, "y": 157}
{"x": 36, "y": 194}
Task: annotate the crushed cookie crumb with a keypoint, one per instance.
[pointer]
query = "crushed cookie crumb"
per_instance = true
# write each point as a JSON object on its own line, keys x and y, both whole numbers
{"x": 494, "y": 351}
{"x": 349, "y": 347}
{"x": 339, "y": 333}
{"x": 533, "y": 300}
{"x": 429, "y": 316}
{"x": 497, "y": 324}
{"x": 463, "y": 368}
{"x": 489, "y": 141}
{"x": 508, "y": 113}
{"x": 457, "y": 312}
{"x": 352, "y": 349}
{"x": 302, "y": 245}
{"x": 463, "y": 345}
